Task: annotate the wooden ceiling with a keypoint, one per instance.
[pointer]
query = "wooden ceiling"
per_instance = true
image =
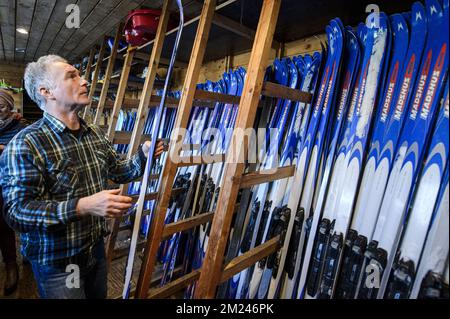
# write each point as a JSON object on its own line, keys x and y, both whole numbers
{"x": 47, "y": 33}
{"x": 45, "y": 20}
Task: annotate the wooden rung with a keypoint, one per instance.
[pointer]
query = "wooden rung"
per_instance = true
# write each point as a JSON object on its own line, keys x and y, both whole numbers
{"x": 150, "y": 177}
{"x": 174, "y": 286}
{"x": 156, "y": 280}
{"x": 189, "y": 223}
{"x": 249, "y": 258}
{"x": 186, "y": 224}
{"x": 124, "y": 137}
{"x": 154, "y": 195}
{"x": 236, "y": 265}
{"x": 265, "y": 176}
{"x": 202, "y": 95}
{"x": 184, "y": 161}
{"x": 280, "y": 91}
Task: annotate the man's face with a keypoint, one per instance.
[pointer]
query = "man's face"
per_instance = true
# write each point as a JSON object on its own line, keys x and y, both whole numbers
{"x": 5, "y": 112}
{"x": 69, "y": 88}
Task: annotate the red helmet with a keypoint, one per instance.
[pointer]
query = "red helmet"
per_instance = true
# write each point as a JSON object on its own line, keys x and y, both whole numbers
{"x": 141, "y": 26}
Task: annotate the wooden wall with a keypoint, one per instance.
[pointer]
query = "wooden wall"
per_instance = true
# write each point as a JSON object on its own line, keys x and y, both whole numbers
{"x": 12, "y": 73}
{"x": 213, "y": 70}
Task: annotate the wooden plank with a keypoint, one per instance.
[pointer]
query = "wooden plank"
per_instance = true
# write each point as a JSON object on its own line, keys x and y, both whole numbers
{"x": 120, "y": 93}
{"x": 185, "y": 161}
{"x": 186, "y": 224}
{"x": 169, "y": 171}
{"x": 173, "y": 286}
{"x": 107, "y": 78}
{"x": 88, "y": 24}
{"x": 250, "y": 258}
{"x": 202, "y": 98}
{"x": 41, "y": 18}
{"x": 280, "y": 91}
{"x": 153, "y": 64}
{"x": 189, "y": 223}
{"x": 153, "y": 195}
{"x": 123, "y": 137}
{"x": 87, "y": 109}
{"x": 239, "y": 29}
{"x": 250, "y": 179}
{"x": 114, "y": 224}
{"x": 212, "y": 264}
{"x": 7, "y": 26}
{"x": 55, "y": 24}
{"x": 24, "y": 19}
{"x": 178, "y": 271}
{"x": 142, "y": 110}
{"x": 87, "y": 73}
{"x": 146, "y": 57}
{"x": 105, "y": 25}
{"x": 189, "y": 22}
{"x": 65, "y": 33}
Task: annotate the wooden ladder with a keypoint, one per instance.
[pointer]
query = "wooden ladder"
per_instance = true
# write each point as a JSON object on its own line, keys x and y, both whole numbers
{"x": 213, "y": 272}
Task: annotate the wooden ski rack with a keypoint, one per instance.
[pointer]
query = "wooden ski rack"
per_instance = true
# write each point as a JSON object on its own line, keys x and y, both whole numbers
{"x": 213, "y": 271}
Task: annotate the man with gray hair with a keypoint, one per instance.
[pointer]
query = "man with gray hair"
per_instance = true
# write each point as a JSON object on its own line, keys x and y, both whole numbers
{"x": 55, "y": 175}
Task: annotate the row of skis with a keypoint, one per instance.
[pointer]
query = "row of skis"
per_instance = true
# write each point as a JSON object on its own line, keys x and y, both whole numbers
{"x": 366, "y": 213}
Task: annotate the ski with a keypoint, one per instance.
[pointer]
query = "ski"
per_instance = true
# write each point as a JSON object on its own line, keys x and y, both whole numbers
{"x": 431, "y": 281}
{"x": 384, "y": 143}
{"x": 415, "y": 135}
{"x": 309, "y": 67}
{"x": 351, "y": 64}
{"x": 404, "y": 269}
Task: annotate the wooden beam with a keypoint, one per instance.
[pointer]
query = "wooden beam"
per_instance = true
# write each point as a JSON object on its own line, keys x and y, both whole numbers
{"x": 250, "y": 258}
{"x": 114, "y": 224}
{"x": 120, "y": 93}
{"x": 147, "y": 91}
{"x": 108, "y": 73}
{"x": 280, "y": 91}
{"x": 236, "y": 265}
{"x": 266, "y": 176}
{"x": 212, "y": 265}
{"x": 170, "y": 169}
{"x": 87, "y": 73}
{"x": 145, "y": 57}
{"x": 95, "y": 78}
{"x": 193, "y": 20}
{"x": 173, "y": 286}
{"x": 186, "y": 224}
{"x": 239, "y": 29}
{"x": 185, "y": 161}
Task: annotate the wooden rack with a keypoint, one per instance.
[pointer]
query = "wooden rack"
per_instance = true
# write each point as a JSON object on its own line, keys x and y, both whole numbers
{"x": 213, "y": 270}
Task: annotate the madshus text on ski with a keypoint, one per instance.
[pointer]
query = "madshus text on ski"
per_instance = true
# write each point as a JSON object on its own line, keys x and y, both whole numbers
{"x": 366, "y": 214}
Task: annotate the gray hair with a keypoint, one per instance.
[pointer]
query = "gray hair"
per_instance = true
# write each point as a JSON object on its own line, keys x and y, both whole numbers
{"x": 37, "y": 76}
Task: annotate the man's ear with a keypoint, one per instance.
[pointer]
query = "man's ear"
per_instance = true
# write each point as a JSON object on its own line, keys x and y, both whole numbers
{"x": 46, "y": 93}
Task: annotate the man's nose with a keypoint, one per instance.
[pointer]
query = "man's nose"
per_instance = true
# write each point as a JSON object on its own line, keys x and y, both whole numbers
{"x": 83, "y": 81}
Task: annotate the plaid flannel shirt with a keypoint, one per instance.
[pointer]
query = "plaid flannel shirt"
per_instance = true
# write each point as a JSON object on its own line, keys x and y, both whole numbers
{"x": 45, "y": 170}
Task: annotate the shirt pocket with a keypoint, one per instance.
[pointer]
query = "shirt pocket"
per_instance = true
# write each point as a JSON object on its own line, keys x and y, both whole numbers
{"x": 102, "y": 160}
{"x": 62, "y": 178}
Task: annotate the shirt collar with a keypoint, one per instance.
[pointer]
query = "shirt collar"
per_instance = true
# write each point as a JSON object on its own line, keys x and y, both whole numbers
{"x": 59, "y": 127}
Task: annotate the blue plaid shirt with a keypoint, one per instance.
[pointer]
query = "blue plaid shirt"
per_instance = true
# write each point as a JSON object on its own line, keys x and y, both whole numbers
{"x": 45, "y": 169}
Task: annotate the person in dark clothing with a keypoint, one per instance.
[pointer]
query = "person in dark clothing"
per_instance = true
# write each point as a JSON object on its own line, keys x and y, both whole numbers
{"x": 10, "y": 124}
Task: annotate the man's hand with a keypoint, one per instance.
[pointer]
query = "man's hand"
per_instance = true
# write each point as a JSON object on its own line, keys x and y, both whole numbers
{"x": 158, "y": 149}
{"x": 106, "y": 203}
{"x": 2, "y": 147}
{"x": 16, "y": 116}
